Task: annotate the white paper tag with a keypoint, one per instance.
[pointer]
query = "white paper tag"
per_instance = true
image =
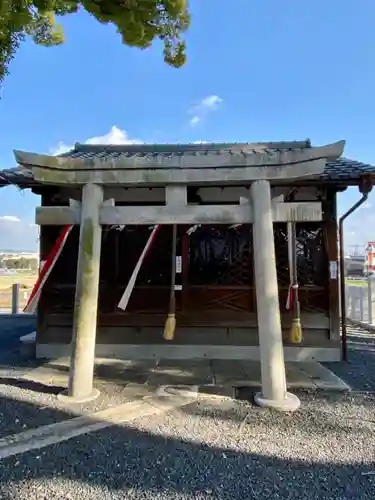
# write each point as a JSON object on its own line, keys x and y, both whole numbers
{"x": 178, "y": 287}
{"x": 333, "y": 269}
{"x": 178, "y": 264}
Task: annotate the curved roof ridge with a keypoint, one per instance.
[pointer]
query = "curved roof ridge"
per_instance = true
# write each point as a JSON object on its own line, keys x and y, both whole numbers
{"x": 186, "y": 147}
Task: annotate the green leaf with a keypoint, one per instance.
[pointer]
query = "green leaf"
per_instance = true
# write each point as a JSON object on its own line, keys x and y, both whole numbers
{"x": 138, "y": 22}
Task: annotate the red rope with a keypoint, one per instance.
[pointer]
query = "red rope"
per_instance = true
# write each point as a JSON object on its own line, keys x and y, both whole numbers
{"x": 48, "y": 265}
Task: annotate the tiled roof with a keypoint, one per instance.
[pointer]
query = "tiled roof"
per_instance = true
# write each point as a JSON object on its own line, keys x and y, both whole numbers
{"x": 18, "y": 176}
{"x": 342, "y": 171}
{"x": 90, "y": 151}
{"x": 345, "y": 169}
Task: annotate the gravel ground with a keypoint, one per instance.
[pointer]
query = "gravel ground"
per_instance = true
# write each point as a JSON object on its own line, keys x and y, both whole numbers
{"x": 359, "y": 372}
{"x": 26, "y": 404}
{"x": 211, "y": 449}
{"x": 23, "y": 406}
{"x": 219, "y": 448}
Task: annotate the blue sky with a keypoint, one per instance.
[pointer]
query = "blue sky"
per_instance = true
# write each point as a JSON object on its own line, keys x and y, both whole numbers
{"x": 263, "y": 70}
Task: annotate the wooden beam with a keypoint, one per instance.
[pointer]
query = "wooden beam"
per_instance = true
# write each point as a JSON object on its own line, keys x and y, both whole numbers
{"x": 218, "y": 318}
{"x": 177, "y": 214}
{"x": 331, "y": 231}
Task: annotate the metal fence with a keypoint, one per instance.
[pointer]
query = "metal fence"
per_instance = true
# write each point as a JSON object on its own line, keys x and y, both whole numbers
{"x": 14, "y": 300}
{"x": 360, "y": 301}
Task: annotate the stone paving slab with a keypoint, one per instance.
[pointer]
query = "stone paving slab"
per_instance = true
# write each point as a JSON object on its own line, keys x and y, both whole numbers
{"x": 219, "y": 373}
{"x": 297, "y": 378}
{"x": 123, "y": 372}
{"x": 137, "y": 372}
{"x": 184, "y": 372}
{"x": 322, "y": 377}
{"x": 247, "y": 373}
{"x": 238, "y": 372}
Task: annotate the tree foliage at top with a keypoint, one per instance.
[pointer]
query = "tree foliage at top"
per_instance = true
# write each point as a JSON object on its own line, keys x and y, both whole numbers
{"x": 138, "y": 22}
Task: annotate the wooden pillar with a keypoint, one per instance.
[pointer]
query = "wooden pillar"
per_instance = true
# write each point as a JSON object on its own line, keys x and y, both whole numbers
{"x": 86, "y": 299}
{"x": 274, "y": 393}
{"x": 15, "y": 298}
{"x": 185, "y": 270}
{"x": 331, "y": 232}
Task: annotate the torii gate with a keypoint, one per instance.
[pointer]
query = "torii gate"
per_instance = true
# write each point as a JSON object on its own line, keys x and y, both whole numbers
{"x": 255, "y": 165}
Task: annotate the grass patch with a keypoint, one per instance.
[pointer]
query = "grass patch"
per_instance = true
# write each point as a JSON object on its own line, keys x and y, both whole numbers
{"x": 356, "y": 282}
{"x": 25, "y": 279}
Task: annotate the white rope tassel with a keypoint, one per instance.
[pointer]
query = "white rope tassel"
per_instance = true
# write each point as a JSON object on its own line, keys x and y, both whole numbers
{"x": 118, "y": 227}
{"x": 192, "y": 229}
{"x": 288, "y": 305}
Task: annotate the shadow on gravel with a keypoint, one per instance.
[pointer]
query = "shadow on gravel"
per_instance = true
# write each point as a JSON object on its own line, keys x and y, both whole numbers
{"x": 18, "y": 416}
{"x": 122, "y": 462}
{"x": 12, "y": 327}
{"x": 336, "y": 417}
{"x": 359, "y": 371}
{"x": 31, "y": 385}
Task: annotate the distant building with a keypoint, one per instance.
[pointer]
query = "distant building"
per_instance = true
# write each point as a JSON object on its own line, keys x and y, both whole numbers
{"x": 369, "y": 266}
{"x": 355, "y": 265}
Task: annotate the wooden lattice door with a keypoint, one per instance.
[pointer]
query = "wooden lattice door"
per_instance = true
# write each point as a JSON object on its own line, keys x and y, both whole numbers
{"x": 312, "y": 265}
{"x": 221, "y": 268}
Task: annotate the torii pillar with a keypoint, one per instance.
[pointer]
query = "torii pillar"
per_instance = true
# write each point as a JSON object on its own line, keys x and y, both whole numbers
{"x": 81, "y": 375}
{"x": 274, "y": 393}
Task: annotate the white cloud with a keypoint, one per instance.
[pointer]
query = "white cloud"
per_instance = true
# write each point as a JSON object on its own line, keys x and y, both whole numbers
{"x": 359, "y": 228}
{"x": 10, "y": 218}
{"x": 60, "y": 149}
{"x": 200, "y": 142}
{"x": 206, "y": 105}
{"x": 211, "y": 101}
{"x": 195, "y": 120}
{"x": 115, "y": 136}
{"x": 18, "y": 235}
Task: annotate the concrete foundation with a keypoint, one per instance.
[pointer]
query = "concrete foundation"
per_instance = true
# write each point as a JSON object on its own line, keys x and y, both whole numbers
{"x": 182, "y": 352}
